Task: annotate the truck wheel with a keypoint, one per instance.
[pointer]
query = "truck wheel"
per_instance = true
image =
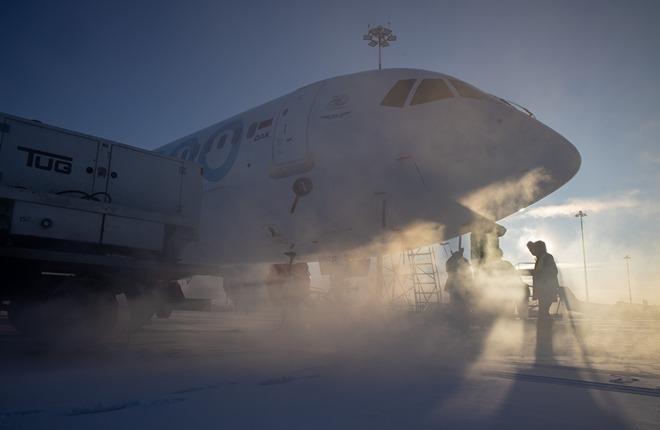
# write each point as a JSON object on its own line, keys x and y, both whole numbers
{"x": 164, "y": 313}
{"x": 142, "y": 305}
{"x": 74, "y": 311}
{"x": 170, "y": 295}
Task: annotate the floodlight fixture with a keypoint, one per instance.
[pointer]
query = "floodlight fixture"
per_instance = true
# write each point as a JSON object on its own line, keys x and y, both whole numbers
{"x": 379, "y": 36}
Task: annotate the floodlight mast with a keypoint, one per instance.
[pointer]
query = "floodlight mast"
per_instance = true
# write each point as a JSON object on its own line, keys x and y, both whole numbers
{"x": 628, "y": 258}
{"x": 380, "y": 36}
{"x": 581, "y": 215}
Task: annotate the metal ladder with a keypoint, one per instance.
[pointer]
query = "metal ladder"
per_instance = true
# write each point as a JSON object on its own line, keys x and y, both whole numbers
{"x": 424, "y": 277}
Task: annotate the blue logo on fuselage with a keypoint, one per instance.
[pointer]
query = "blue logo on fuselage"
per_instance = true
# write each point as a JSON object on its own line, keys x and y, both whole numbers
{"x": 227, "y": 134}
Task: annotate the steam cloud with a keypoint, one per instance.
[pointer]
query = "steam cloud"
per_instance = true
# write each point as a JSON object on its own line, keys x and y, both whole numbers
{"x": 506, "y": 197}
{"x": 571, "y": 207}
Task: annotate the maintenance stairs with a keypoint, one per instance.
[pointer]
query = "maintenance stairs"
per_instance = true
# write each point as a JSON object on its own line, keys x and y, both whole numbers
{"x": 424, "y": 278}
{"x": 411, "y": 279}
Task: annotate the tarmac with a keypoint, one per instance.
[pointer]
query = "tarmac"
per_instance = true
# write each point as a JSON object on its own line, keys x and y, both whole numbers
{"x": 335, "y": 370}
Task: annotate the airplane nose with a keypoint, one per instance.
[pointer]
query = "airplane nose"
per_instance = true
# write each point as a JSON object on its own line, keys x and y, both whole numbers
{"x": 572, "y": 158}
{"x": 560, "y": 159}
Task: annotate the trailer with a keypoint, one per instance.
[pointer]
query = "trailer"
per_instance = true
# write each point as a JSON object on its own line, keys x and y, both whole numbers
{"x": 84, "y": 220}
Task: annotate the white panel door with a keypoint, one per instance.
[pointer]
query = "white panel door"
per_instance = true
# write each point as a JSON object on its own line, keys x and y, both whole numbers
{"x": 290, "y": 146}
{"x": 144, "y": 180}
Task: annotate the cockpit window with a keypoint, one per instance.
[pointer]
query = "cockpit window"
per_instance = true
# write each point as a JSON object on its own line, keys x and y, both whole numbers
{"x": 399, "y": 93}
{"x": 467, "y": 90}
{"x": 431, "y": 90}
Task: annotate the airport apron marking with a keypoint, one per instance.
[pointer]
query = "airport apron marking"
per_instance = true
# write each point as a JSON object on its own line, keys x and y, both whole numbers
{"x": 641, "y": 391}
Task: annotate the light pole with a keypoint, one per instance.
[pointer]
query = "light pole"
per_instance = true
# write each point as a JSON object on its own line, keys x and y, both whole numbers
{"x": 380, "y": 36}
{"x": 581, "y": 215}
{"x": 627, "y": 258}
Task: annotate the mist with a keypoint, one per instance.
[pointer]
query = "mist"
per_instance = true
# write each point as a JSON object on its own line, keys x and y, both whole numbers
{"x": 609, "y": 236}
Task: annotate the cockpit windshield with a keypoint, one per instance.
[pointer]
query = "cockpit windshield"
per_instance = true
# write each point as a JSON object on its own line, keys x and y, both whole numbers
{"x": 467, "y": 90}
{"x": 399, "y": 93}
{"x": 430, "y": 90}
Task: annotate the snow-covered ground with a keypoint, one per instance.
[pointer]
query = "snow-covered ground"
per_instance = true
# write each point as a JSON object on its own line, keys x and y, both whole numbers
{"x": 330, "y": 370}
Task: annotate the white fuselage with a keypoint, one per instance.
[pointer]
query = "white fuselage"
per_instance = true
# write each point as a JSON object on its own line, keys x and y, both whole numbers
{"x": 374, "y": 152}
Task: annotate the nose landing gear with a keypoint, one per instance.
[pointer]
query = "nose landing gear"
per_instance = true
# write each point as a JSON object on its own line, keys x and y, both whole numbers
{"x": 288, "y": 284}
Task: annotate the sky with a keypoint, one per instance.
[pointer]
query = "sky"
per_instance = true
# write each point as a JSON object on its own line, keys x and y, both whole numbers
{"x": 147, "y": 72}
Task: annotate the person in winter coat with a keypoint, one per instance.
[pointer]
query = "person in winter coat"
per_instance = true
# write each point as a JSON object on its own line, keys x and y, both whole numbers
{"x": 459, "y": 281}
{"x": 544, "y": 276}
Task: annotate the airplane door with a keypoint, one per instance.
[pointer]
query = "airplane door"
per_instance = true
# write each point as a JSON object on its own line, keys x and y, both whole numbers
{"x": 291, "y": 152}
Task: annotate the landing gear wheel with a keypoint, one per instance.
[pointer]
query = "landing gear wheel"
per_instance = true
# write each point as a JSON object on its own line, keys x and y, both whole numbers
{"x": 288, "y": 284}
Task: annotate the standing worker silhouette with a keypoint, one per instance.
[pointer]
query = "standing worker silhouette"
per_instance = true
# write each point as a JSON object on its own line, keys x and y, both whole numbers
{"x": 544, "y": 275}
{"x": 459, "y": 285}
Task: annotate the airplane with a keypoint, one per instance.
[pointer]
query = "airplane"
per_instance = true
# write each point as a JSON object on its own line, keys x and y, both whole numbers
{"x": 352, "y": 164}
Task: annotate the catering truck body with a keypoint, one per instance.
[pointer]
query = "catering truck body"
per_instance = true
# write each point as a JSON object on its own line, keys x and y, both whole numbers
{"x": 84, "y": 220}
